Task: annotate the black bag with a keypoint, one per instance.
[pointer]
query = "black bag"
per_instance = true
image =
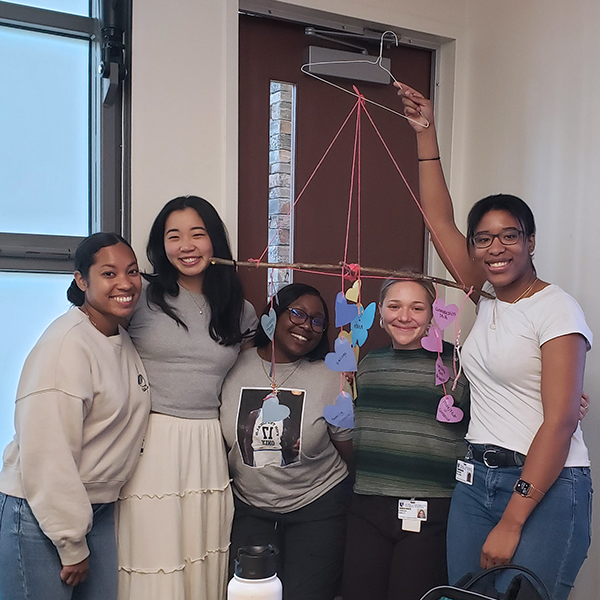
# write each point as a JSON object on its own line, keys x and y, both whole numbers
{"x": 479, "y": 587}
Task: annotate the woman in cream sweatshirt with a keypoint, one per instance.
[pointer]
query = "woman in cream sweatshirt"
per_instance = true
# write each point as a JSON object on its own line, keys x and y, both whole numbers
{"x": 80, "y": 417}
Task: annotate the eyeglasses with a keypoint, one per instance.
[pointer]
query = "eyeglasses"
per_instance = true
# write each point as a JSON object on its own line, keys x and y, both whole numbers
{"x": 508, "y": 237}
{"x": 298, "y": 317}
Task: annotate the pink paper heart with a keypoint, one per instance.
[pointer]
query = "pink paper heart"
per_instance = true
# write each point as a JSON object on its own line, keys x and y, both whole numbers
{"x": 447, "y": 412}
{"x": 433, "y": 340}
{"x": 442, "y": 372}
{"x": 444, "y": 314}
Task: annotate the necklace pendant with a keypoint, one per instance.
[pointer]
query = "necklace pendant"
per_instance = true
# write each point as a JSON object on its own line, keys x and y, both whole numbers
{"x": 493, "y": 326}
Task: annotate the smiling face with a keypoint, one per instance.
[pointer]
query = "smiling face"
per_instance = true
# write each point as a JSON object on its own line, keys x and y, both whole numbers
{"x": 507, "y": 268}
{"x": 293, "y": 341}
{"x": 112, "y": 287}
{"x": 188, "y": 247}
{"x": 406, "y": 314}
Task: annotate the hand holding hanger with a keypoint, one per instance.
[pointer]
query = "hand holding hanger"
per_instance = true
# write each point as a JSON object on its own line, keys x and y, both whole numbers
{"x": 417, "y": 109}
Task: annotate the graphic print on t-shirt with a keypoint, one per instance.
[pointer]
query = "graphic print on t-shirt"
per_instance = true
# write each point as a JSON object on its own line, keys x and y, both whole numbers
{"x": 276, "y": 442}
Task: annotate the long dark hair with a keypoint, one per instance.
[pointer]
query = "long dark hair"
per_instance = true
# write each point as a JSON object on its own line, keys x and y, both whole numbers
{"x": 286, "y": 295}
{"x": 85, "y": 257}
{"x": 221, "y": 285}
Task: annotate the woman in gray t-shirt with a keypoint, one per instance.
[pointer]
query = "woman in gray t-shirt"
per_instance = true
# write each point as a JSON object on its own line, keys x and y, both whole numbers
{"x": 175, "y": 514}
{"x": 289, "y": 477}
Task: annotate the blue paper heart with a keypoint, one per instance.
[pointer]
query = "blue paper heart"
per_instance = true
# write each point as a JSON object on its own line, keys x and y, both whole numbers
{"x": 340, "y": 414}
{"x": 272, "y": 411}
{"x": 269, "y": 322}
{"x": 361, "y": 325}
{"x": 344, "y": 312}
{"x": 342, "y": 358}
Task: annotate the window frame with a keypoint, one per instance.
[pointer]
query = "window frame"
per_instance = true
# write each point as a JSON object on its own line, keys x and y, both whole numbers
{"x": 109, "y": 133}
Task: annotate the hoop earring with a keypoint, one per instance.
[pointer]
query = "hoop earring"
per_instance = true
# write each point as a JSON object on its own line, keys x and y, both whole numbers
{"x": 381, "y": 322}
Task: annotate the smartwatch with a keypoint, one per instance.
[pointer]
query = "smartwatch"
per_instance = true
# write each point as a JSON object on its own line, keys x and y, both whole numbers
{"x": 528, "y": 490}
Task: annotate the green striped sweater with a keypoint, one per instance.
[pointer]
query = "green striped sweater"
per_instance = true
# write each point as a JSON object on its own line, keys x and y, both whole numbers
{"x": 401, "y": 449}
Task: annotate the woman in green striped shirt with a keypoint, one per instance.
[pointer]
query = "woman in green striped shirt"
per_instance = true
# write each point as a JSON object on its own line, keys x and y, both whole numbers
{"x": 405, "y": 456}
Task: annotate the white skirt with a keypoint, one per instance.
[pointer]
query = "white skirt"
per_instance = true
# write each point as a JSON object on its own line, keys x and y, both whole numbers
{"x": 174, "y": 516}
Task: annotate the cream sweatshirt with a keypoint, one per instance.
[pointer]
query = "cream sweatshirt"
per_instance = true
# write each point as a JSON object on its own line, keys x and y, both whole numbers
{"x": 80, "y": 418}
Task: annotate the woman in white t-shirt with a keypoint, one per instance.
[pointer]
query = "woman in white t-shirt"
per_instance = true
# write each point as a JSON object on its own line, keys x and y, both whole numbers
{"x": 526, "y": 492}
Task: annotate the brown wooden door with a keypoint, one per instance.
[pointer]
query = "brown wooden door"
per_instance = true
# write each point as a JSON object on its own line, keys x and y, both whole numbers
{"x": 392, "y": 230}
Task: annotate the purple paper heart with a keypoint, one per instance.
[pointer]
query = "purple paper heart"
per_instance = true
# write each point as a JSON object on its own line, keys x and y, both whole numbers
{"x": 272, "y": 411}
{"x": 342, "y": 358}
{"x": 340, "y": 414}
{"x": 447, "y": 412}
{"x": 433, "y": 340}
{"x": 444, "y": 314}
{"x": 442, "y": 372}
{"x": 344, "y": 312}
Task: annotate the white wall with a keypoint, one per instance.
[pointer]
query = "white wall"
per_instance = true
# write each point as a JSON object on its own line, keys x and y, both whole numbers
{"x": 519, "y": 114}
{"x": 184, "y": 107}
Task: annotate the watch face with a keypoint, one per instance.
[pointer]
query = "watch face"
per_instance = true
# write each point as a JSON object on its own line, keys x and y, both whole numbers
{"x": 522, "y": 487}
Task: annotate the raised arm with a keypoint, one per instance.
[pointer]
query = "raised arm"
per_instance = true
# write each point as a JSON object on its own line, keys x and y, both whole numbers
{"x": 449, "y": 242}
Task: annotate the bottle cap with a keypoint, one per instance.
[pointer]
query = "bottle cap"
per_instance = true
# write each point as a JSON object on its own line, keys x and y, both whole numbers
{"x": 256, "y": 562}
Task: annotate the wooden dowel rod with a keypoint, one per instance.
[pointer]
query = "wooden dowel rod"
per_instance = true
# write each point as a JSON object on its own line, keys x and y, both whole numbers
{"x": 338, "y": 268}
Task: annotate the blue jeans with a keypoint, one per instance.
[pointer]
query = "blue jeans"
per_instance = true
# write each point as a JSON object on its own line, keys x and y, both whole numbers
{"x": 30, "y": 565}
{"x": 554, "y": 540}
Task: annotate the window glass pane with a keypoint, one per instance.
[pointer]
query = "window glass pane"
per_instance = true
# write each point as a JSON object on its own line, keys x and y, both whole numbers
{"x": 28, "y": 304}
{"x": 44, "y": 133}
{"x": 74, "y": 7}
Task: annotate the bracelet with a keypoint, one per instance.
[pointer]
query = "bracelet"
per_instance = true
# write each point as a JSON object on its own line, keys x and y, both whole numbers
{"x": 426, "y": 159}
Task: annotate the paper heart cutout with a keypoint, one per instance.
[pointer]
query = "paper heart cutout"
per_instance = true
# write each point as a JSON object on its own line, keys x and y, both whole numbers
{"x": 447, "y": 412}
{"x": 354, "y": 292}
{"x": 347, "y": 335}
{"x": 340, "y": 414}
{"x": 443, "y": 313}
{"x": 361, "y": 325}
{"x": 269, "y": 322}
{"x": 272, "y": 411}
{"x": 433, "y": 340}
{"x": 344, "y": 312}
{"x": 342, "y": 358}
{"x": 442, "y": 372}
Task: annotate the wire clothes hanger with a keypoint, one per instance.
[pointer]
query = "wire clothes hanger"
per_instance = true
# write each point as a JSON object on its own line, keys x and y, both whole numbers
{"x": 378, "y": 62}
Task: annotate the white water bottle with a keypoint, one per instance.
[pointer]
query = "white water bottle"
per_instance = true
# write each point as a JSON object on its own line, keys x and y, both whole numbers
{"x": 255, "y": 575}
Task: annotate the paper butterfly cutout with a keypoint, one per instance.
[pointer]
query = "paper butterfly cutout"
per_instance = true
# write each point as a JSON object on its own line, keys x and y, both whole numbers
{"x": 361, "y": 325}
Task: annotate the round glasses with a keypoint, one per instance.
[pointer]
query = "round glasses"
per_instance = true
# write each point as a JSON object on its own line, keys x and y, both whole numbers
{"x": 298, "y": 317}
{"x": 508, "y": 237}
